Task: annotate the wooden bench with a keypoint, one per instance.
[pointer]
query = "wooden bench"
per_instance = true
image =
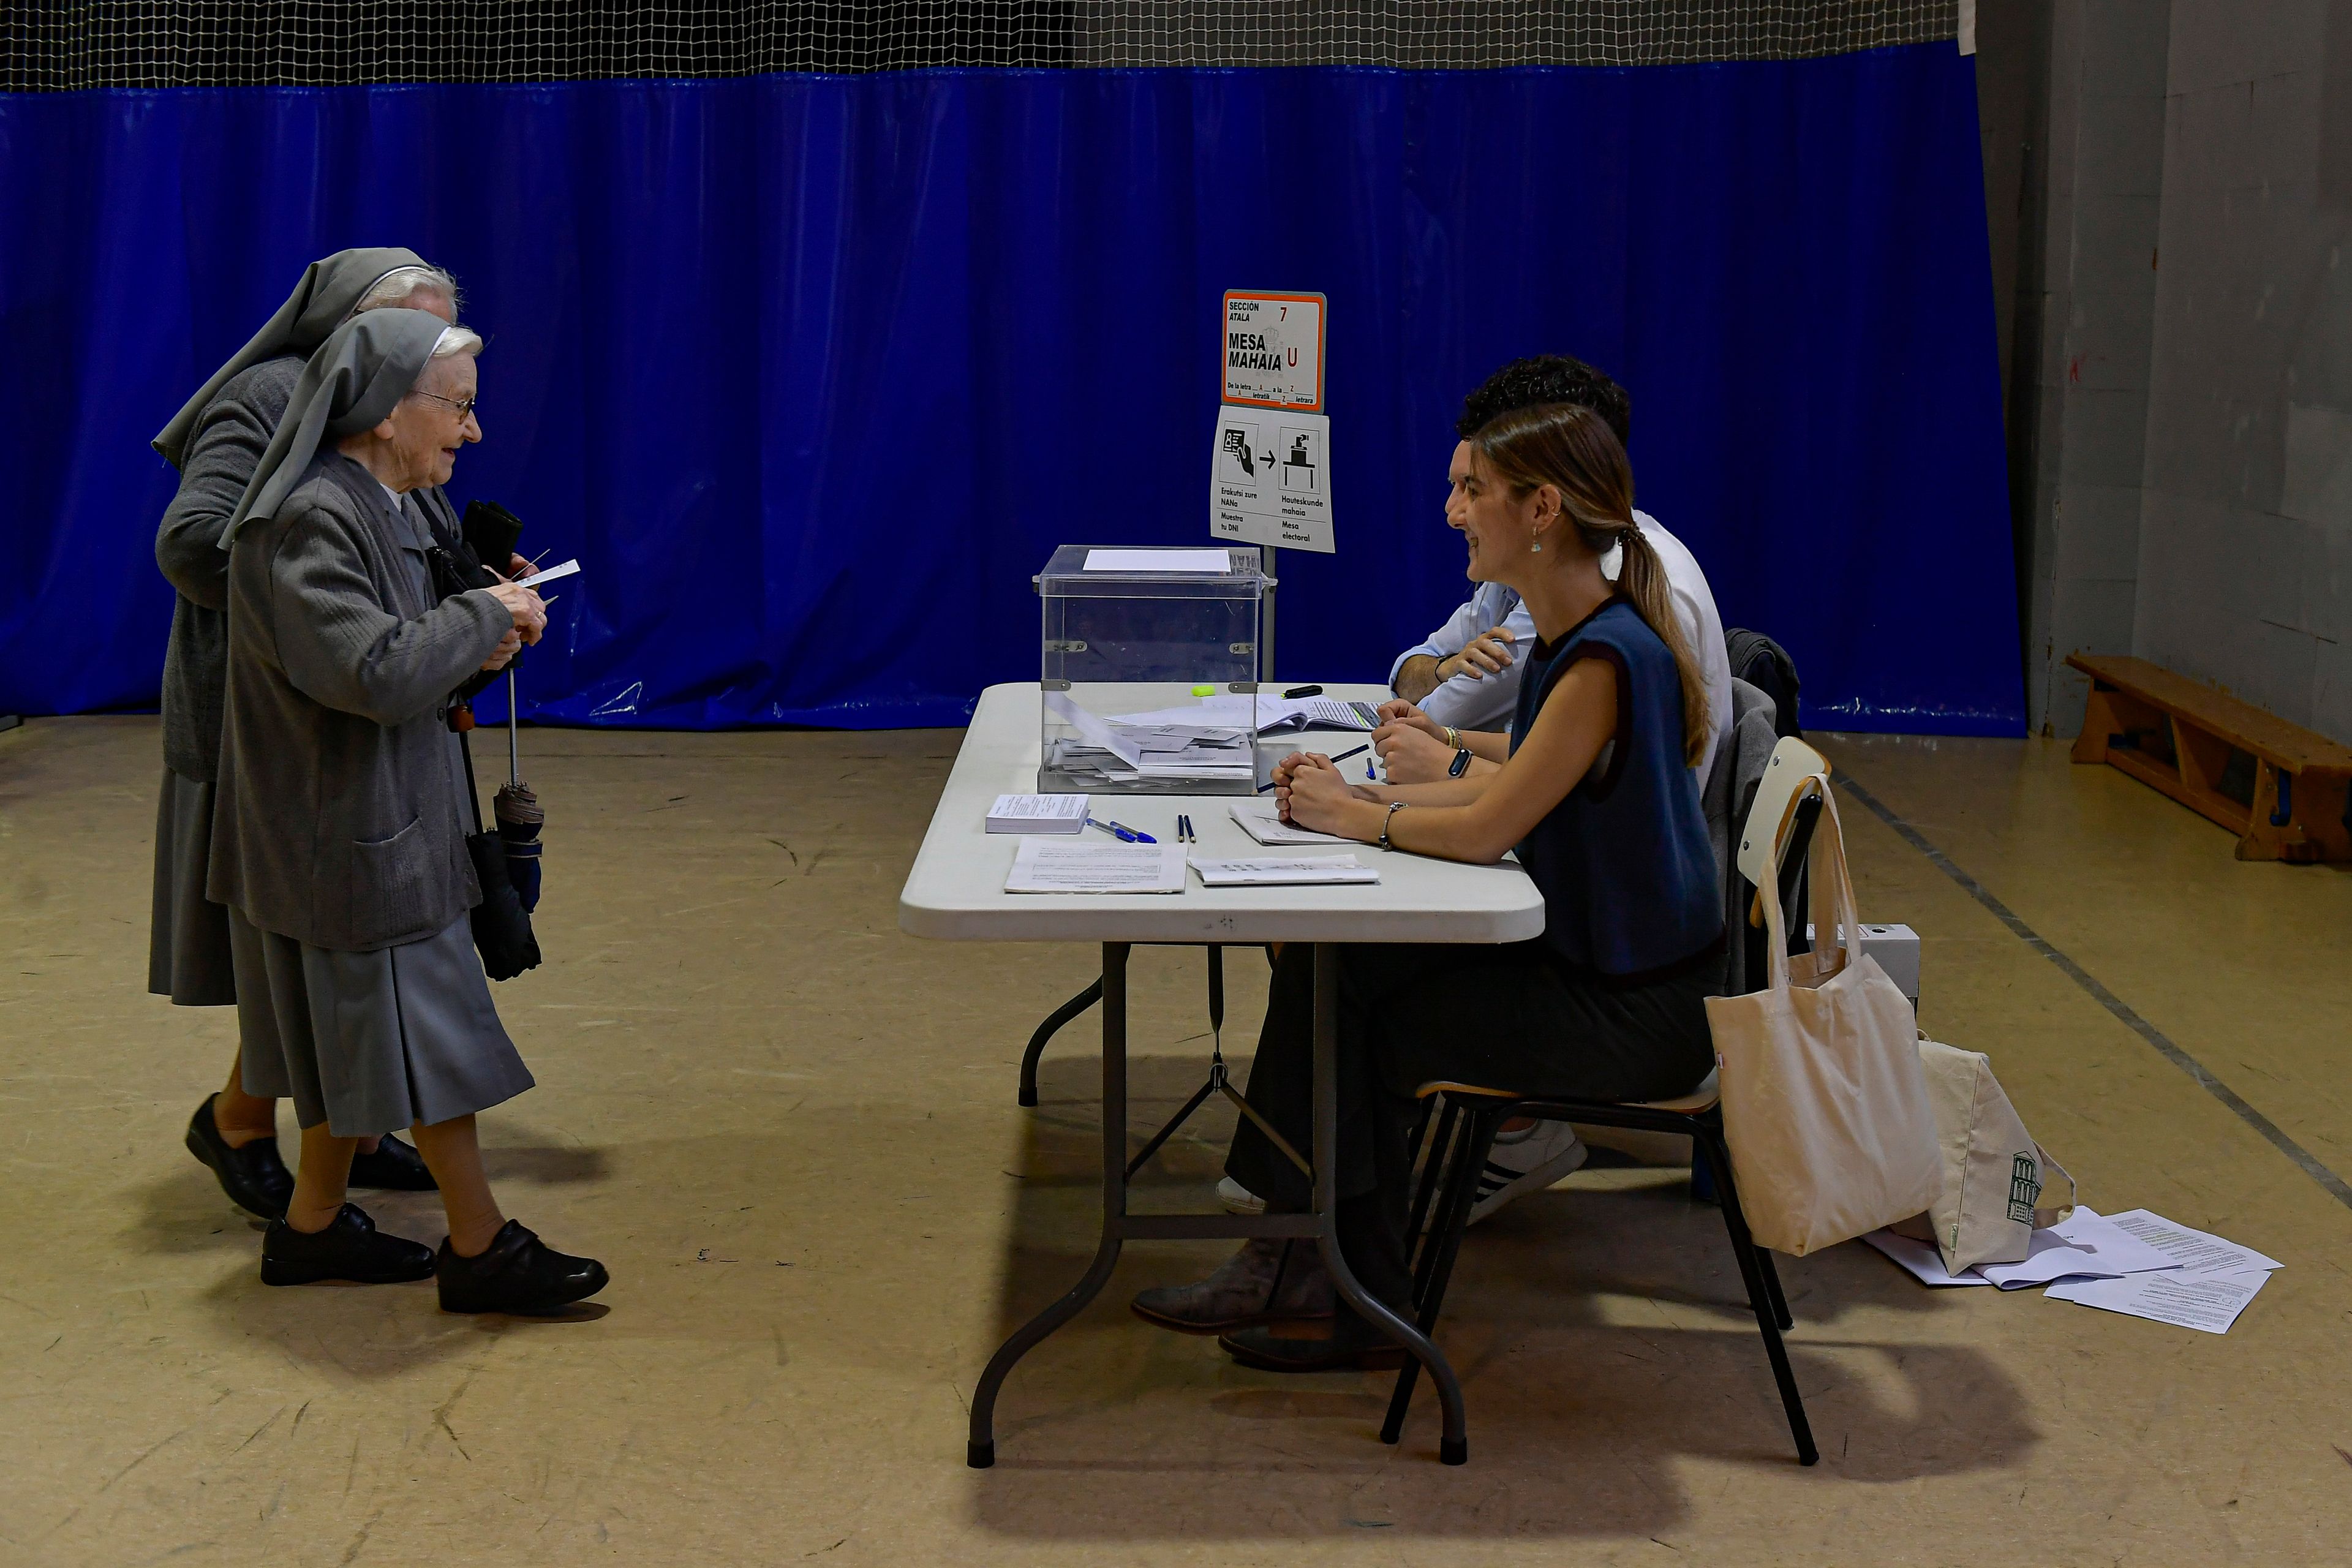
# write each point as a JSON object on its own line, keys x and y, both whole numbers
{"x": 2286, "y": 798}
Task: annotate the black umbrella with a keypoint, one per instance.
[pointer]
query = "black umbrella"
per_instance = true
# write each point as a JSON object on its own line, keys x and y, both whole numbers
{"x": 518, "y": 813}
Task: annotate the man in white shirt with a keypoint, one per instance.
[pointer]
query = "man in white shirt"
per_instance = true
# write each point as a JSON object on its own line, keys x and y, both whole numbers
{"x": 1466, "y": 674}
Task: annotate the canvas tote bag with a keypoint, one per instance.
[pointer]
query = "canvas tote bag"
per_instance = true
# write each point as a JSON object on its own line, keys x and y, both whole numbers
{"x": 1994, "y": 1172}
{"x": 1824, "y": 1103}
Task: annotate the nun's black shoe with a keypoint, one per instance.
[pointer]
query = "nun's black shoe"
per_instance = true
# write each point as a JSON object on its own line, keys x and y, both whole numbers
{"x": 350, "y": 1248}
{"x": 516, "y": 1273}
{"x": 252, "y": 1175}
{"x": 393, "y": 1167}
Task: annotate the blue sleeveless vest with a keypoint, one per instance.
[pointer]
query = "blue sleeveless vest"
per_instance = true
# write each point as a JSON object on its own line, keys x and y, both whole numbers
{"x": 1629, "y": 886}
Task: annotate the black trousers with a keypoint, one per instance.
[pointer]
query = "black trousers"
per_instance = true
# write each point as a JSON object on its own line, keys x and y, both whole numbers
{"x": 1502, "y": 1018}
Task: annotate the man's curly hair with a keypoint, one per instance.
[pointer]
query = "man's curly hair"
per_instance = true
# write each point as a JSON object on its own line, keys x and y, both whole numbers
{"x": 1548, "y": 378}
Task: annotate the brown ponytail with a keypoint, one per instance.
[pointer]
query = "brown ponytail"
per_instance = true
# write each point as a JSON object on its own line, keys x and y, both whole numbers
{"x": 1572, "y": 449}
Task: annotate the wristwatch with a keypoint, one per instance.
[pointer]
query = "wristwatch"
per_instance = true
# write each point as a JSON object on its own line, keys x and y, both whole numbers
{"x": 1460, "y": 765}
{"x": 1394, "y": 806}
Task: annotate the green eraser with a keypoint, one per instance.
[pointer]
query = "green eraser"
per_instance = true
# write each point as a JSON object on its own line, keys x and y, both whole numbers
{"x": 1204, "y": 691}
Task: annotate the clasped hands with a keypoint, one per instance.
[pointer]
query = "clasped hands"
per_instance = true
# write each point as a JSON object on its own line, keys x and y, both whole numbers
{"x": 1411, "y": 745}
{"x": 529, "y": 612}
{"x": 1311, "y": 792}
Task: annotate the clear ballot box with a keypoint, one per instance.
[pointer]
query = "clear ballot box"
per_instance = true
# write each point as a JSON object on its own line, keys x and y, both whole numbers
{"x": 1150, "y": 672}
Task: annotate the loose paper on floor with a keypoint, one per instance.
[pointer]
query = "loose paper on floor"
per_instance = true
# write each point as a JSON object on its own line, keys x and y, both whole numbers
{"x": 2084, "y": 1245}
{"x": 2209, "y": 1303}
{"x": 1920, "y": 1259}
{"x": 1062, "y": 866}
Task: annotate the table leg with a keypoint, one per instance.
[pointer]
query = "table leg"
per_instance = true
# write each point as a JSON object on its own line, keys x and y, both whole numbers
{"x": 1454, "y": 1445}
{"x": 981, "y": 1450}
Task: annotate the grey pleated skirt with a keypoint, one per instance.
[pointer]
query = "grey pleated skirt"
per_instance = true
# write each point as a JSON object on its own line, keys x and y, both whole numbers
{"x": 188, "y": 956}
{"x": 371, "y": 1042}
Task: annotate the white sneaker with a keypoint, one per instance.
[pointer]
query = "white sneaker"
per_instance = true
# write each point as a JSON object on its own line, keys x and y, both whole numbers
{"x": 1237, "y": 1198}
{"x": 1527, "y": 1164}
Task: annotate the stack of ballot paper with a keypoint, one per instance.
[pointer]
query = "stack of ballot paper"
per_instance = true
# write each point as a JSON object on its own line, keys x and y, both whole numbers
{"x": 2138, "y": 1263}
{"x": 1117, "y": 750}
{"x": 1262, "y": 820}
{"x": 1038, "y": 814}
{"x": 1085, "y": 866}
{"x": 1279, "y": 871}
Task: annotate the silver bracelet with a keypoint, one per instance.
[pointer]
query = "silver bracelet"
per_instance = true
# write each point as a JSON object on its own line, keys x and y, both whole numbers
{"x": 1394, "y": 806}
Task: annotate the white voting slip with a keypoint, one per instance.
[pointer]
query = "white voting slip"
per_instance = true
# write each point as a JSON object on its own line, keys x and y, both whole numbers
{"x": 1204, "y": 562}
{"x": 1278, "y": 870}
{"x": 1292, "y": 713}
{"x": 540, "y": 579}
{"x": 1045, "y": 866}
{"x": 956, "y": 890}
{"x": 1038, "y": 814}
{"x": 1262, "y": 820}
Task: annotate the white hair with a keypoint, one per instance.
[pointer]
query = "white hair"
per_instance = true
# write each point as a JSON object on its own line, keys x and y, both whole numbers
{"x": 396, "y": 287}
{"x": 456, "y": 340}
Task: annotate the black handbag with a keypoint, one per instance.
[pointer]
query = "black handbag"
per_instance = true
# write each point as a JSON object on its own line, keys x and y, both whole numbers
{"x": 502, "y": 931}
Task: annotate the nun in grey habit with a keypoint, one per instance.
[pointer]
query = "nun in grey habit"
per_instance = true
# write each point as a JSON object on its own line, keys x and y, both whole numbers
{"x": 341, "y": 810}
{"x": 217, "y": 440}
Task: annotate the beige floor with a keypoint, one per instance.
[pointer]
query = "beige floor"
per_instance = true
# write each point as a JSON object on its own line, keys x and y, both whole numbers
{"x": 790, "y": 1131}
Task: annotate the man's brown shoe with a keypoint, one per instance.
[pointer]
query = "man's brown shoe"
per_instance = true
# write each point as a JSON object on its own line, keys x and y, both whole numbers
{"x": 1269, "y": 1280}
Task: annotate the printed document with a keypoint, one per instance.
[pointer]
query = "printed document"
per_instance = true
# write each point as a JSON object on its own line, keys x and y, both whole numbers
{"x": 1277, "y": 872}
{"x": 2207, "y": 1302}
{"x": 1083, "y": 865}
{"x": 1262, "y": 820}
{"x": 2195, "y": 1251}
{"x": 2084, "y": 1244}
{"x": 1038, "y": 814}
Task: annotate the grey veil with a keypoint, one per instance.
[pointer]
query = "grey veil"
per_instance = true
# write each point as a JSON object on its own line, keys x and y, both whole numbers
{"x": 328, "y": 289}
{"x": 357, "y": 377}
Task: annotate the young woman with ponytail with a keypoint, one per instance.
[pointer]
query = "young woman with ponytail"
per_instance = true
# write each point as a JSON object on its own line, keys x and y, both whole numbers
{"x": 1596, "y": 795}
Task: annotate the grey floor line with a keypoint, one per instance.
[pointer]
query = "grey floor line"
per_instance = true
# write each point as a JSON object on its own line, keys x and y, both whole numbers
{"x": 2336, "y": 1185}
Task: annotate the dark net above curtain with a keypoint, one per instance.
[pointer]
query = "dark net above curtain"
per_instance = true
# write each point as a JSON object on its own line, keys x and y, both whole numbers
{"x": 64, "y": 47}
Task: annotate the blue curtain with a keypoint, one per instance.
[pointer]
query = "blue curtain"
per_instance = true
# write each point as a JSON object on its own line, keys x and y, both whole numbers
{"x": 813, "y": 371}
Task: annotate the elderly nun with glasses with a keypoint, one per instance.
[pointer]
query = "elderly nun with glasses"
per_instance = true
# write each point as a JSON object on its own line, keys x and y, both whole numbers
{"x": 339, "y": 816}
{"x": 216, "y": 441}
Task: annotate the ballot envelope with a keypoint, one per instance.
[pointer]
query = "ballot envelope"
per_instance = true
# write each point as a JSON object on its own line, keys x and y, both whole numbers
{"x": 1149, "y": 670}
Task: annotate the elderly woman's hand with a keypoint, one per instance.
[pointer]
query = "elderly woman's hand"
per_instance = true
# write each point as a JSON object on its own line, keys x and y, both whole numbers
{"x": 503, "y": 655}
{"x": 530, "y": 614}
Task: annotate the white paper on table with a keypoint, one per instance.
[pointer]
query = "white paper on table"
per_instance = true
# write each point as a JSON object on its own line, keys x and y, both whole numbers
{"x": 2084, "y": 1244}
{"x": 1038, "y": 814}
{"x": 2207, "y": 1302}
{"x": 1262, "y": 820}
{"x": 1281, "y": 871}
{"x": 2198, "y": 1252}
{"x": 569, "y": 568}
{"x": 1093, "y": 730}
{"x": 1200, "y": 563}
{"x": 1920, "y": 1259}
{"x": 1060, "y": 865}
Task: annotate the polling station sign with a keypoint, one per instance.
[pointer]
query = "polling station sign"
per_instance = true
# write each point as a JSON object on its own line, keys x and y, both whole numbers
{"x": 1273, "y": 350}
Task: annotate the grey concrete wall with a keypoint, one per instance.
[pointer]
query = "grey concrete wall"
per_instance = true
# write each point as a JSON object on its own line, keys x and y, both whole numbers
{"x": 2181, "y": 383}
{"x": 2245, "y": 538}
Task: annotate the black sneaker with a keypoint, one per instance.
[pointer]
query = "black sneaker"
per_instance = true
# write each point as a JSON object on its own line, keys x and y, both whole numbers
{"x": 350, "y": 1248}
{"x": 393, "y": 1167}
{"x": 517, "y": 1273}
{"x": 253, "y": 1176}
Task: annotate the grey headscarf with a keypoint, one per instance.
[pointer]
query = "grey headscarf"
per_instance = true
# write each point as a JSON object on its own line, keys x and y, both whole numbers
{"x": 357, "y": 377}
{"x": 328, "y": 289}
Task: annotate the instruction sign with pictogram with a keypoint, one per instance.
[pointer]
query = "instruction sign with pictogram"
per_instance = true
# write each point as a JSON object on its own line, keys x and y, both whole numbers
{"x": 1270, "y": 471}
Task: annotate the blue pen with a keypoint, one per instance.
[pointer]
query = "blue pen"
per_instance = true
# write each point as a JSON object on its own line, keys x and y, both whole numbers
{"x": 1132, "y": 835}
{"x": 1113, "y": 829}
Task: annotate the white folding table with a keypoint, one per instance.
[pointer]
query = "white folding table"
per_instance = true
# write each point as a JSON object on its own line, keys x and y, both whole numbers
{"x": 955, "y": 893}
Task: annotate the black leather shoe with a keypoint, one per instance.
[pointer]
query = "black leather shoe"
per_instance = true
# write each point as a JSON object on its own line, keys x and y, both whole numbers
{"x": 1350, "y": 1344}
{"x": 516, "y": 1273}
{"x": 350, "y": 1248}
{"x": 394, "y": 1167}
{"x": 253, "y": 1176}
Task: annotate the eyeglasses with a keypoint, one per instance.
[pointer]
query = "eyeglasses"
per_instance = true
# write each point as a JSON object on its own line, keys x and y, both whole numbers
{"x": 464, "y": 407}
